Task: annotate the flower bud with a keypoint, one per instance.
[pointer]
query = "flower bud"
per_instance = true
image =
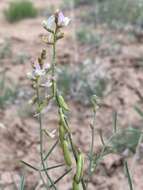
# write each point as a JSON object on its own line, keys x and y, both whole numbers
{"x": 33, "y": 100}
{"x": 59, "y": 36}
{"x": 43, "y": 54}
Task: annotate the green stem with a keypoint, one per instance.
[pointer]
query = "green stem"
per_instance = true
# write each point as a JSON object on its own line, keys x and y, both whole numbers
{"x": 54, "y": 64}
{"x": 91, "y": 150}
{"x": 41, "y": 138}
{"x": 128, "y": 175}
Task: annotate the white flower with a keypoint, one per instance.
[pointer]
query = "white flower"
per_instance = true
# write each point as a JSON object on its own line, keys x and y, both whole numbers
{"x": 47, "y": 84}
{"x": 50, "y": 23}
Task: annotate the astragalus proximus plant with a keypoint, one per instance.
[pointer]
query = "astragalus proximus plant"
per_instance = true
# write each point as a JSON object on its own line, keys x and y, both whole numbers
{"x": 44, "y": 84}
{"x": 43, "y": 78}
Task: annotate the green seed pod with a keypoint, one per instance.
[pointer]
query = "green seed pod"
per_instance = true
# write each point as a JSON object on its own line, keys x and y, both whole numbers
{"x": 79, "y": 167}
{"x": 66, "y": 152}
{"x": 62, "y": 133}
{"x": 62, "y": 120}
{"x": 62, "y": 102}
{"x": 76, "y": 186}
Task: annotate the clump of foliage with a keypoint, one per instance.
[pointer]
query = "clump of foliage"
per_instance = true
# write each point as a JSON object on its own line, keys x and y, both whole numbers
{"x": 7, "y": 92}
{"x": 5, "y": 49}
{"x": 85, "y": 36}
{"x": 19, "y": 10}
{"x": 21, "y": 58}
{"x": 123, "y": 11}
{"x": 115, "y": 13}
{"x": 80, "y": 83}
{"x": 76, "y": 3}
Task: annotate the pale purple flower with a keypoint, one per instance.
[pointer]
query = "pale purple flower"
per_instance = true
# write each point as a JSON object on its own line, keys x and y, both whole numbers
{"x": 50, "y": 23}
{"x": 38, "y": 71}
{"x": 62, "y": 20}
{"x": 46, "y": 66}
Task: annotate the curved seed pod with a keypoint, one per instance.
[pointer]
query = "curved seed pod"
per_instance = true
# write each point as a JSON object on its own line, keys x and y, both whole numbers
{"x": 62, "y": 133}
{"x": 66, "y": 152}
{"x": 62, "y": 102}
{"x": 76, "y": 186}
{"x": 62, "y": 120}
{"x": 79, "y": 167}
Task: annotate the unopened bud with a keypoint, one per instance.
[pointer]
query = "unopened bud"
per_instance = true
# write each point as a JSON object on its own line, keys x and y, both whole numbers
{"x": 60, "y": 36}
{"x": 33, "y": 100}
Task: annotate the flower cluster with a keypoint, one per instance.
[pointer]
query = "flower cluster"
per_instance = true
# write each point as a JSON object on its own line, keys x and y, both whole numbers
{"x": 58, "y": 19}
{"x": 38, "y": 71}
{"x": 53, "y": 25}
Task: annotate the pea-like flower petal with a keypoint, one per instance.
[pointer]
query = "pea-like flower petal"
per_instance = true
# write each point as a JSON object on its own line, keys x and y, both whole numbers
{"x": 50, "y": 23}
{"x": 62, "y": 20}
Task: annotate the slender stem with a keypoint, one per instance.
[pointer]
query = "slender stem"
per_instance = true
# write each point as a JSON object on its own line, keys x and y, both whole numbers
{"x": 41, "y": 138}
{"x": 115, "y": 122}
{"x": 128, "y": 175}
{"x": 51, "y": 149}
{"x": 54, "y": 63}
{"x": 91, "y": 149}
{"x": 57, "y": 180}
{"x": 53, "y": 167}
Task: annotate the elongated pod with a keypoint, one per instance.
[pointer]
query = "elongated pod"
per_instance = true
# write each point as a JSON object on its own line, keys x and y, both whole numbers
{"x": 79, "y": 167}
{"x": 62, "y": 102}
{"x": 76, "y": 185}
{"x": 63, "y": 120}
{"x": 67, "y": 154}
{"x": 62, "y": 133}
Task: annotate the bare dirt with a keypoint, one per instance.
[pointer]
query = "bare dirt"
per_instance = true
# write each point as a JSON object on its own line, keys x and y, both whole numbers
{"x": 19, "y": 133}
